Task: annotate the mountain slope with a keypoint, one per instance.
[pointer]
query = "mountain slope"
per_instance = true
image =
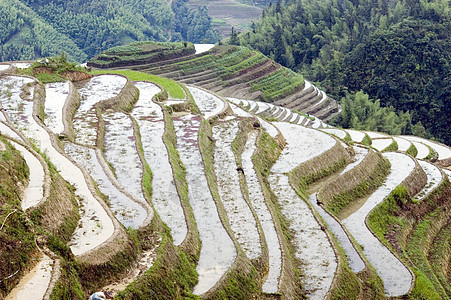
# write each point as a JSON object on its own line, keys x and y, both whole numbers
{"x": 395, "y": 51}
{"x": 25, "y": 35}
{"x": 82, "y": 29}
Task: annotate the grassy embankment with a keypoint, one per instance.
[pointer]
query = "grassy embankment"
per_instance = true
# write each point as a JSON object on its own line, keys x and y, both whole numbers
{"x": 418, "y": 232}
{"x": 266, "y": 154}
{"x": 138, "y": 53}
{"x": 338, "y": 195}
{"x": 346, "y": 284}
{"x": 17, "y": 237}
{"x": 229, "y": 66}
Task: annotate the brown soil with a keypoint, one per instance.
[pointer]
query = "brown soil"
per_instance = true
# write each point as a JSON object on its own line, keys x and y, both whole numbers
{"x": 75, "y": 76}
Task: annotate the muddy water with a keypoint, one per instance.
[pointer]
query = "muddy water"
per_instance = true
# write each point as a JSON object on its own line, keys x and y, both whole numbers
{"x": 355, "y": 261}
{"x": 313, "y": 248}
{"x": 19, "y": 110}
{"x": 338, "y": 132}
{"x": 4, "y": 67}
{"x": 403, "y": 144}
{"x": 360, "y": 154}
{"x": 434, "y": 178}
{"x": 97, "y": 89}
{"x": 34, "y": 285}
{"x": 5, "y": 130}
{"x": 164, "y": 193}
{"x": 356, "y": 136}
{"x": 20, "y": 65}
{"x": 381, "y": 144}
{"x": 120, "y": 151}
{"x": 237, "y": 111}
{"x": 395, "y": 276}
{"x": 200, "y": 48}
{"x": 302, "y": 144}
{"x": 218, "y": 251}
{"x": 34, "y": 192}
{"x": 55, "y": 96}
{"x": 241, "y": 220}
{"x": 423, "y": 151}
{"x": 127, "y": 211}
{"x": 258, "y": 202}
{"x": 443, "y": 151}
{"x": 209, "y": 105}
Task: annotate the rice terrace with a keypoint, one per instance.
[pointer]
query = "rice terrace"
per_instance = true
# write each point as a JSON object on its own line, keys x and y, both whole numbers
{"x": 174, "y": 170}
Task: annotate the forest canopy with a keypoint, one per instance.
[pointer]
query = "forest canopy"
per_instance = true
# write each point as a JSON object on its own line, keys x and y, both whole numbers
{"x": 394, "y": 51}
{"x": 33, "y": 29}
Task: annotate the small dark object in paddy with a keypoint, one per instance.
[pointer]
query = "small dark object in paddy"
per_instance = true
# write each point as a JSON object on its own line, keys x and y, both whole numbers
{"x": 239, "y": 169}
{"x": 319, "y": 203}
{"x": 323, "y": 228}
{"x": 211, "y": 139}
{"x": 256, "y": 125}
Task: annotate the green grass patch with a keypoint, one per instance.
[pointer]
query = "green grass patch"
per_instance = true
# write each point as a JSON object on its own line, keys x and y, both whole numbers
{"x": 374, "y": 180}
{"x": 390, "y": 214}
{"x": 366, "y": 140}
{"x": 307, "y": 116}
{"x": 172, "y": 276}
{"x": 173, "y": 88}
{"x": 49, "y": 78}
{"x": 392, "y": 147}
{"x": 413, "y": 151}
{"x": 432, "y": 154}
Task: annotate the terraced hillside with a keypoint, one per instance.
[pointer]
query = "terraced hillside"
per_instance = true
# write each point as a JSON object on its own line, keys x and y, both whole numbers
{"x": 230, "y": 71}
{"x": 153, "y": 189}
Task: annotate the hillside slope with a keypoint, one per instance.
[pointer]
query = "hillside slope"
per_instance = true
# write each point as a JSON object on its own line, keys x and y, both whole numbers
{"x": 395, "y": 51}
{"x": 230, "y": 71}
{"x": 82, "y": 29}
{"x": 151, "y": 189}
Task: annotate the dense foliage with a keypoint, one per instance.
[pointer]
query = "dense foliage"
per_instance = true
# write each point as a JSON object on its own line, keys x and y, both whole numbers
{"x": 395, "y": 51}
{"x": 32, "y": 29}
{"x": 193, "y": 26}
{"x": 24, "y": 35}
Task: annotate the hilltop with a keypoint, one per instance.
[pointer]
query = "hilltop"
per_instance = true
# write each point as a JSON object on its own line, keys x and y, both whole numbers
{"x": 231, "y": 71}
{"x": 154, "y": 188}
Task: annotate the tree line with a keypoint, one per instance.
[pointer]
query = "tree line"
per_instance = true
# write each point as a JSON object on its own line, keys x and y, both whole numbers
{"x": 32, "y": 29}
{"x": 397, "y": 52}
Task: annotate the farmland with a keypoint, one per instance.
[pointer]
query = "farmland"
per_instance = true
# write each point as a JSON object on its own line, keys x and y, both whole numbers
{"x": 176, "y": 187}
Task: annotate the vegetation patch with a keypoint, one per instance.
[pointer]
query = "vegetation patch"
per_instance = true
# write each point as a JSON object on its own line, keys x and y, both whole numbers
{"x": 171, "y": 87}
{"x": 139, "y": 53}
{"x": 56, "y": 69}
{"x": 192, "y": 244}
{"x": 17, "y": 237}
{"x": 361, "y": 180}
{"x": 409, "y": 229}
{"x": 318, "y": 167}
{"x": 392, "y": 147}
{"x": 172, "y": 275}
{"x": 412, "y": 151}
